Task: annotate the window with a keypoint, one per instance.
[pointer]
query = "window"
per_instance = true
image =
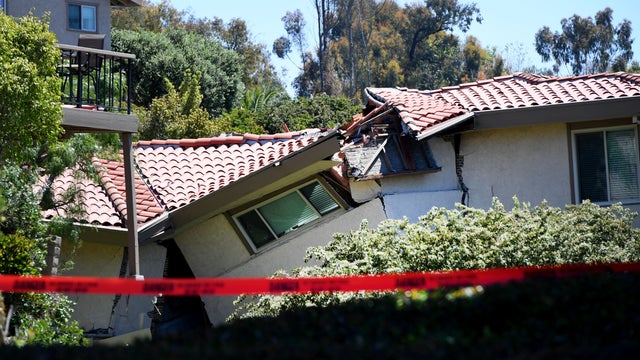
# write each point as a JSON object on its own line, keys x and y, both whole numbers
{"x": 82, "y": 17}
{"x": 276, "y": 217}
{"x": 1, "y": 4}
{"x": 606, "y": 164}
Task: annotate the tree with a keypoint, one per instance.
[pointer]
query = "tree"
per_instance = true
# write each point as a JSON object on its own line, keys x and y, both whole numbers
{"x": 587, "y": 45}
{"x": 377, "y": 43}
{"x": 234, "y": 36}
{"x": 169, "y": 54}
{"x": 465, "y": 238}
{"x": 179, "y": 114}
{"x": 30, "y": 113}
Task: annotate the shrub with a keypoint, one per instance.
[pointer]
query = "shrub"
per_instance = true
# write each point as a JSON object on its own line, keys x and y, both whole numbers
{"x": 463, "y": 238}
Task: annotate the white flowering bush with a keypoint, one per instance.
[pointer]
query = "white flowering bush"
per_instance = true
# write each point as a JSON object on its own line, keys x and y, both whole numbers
{"x": 463, "y": 238}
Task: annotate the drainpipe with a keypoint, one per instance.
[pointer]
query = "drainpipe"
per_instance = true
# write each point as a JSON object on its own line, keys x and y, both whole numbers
{"x": 132, "y": 219}
{"x": 459, "y": 164}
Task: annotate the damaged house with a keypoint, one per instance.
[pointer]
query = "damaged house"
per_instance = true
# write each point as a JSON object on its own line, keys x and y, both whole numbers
{"x": 227, "y": 206}
{"x": 559, "y": 139}
{"x": 249, "y": 205}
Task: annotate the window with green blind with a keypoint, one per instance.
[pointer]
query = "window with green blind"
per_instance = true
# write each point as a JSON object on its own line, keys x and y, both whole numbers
{"x": 606, "y": 165}
{"x": 278, "y": 216}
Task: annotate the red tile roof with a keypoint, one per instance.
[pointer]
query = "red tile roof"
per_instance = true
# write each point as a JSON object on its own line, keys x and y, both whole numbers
{"x": 181, "y": 171}
{"x": 423, "y": 109}
{"x": 173, "y": 173}
{"x": 416, "y": 110}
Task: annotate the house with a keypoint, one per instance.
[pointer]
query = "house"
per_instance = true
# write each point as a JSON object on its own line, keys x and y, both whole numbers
{"x": 559, "y": 139}
{"x": 69, "y": 19}
{"x": 227, "y": 206}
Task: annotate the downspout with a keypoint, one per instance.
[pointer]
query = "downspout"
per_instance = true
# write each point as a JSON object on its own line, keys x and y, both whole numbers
{"x": 459, "y": 164}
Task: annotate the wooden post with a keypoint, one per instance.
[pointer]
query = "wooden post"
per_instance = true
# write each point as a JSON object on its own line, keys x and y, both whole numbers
{"x": 132, "y": 219}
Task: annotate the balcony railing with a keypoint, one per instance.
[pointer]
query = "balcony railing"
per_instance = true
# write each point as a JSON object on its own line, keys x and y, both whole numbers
{"x": 96, "y": 79}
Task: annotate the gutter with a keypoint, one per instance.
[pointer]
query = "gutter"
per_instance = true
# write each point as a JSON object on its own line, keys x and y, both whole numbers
{"x": 600, "y": 109}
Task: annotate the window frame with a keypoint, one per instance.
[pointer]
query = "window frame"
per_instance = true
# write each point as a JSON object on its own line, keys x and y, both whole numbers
{"x": 576, "y": 173}
{"x": 235, "y": 214}
{"x": 82, "y": 7}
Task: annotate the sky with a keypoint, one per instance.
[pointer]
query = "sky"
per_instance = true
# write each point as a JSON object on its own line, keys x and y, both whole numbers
{"x": 506, "y": 24}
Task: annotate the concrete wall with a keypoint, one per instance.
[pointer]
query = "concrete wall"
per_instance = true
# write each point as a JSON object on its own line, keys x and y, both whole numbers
{"x": 58, "y": 15}
{"x": 213, "y": 249}
{"x": 101, "y": 260}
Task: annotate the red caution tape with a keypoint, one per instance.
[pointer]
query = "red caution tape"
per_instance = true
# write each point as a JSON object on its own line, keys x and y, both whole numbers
{"x": 254, "y": 286}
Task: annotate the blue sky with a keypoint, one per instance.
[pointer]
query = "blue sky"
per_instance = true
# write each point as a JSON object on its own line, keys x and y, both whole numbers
{"x": 506, "y": 24}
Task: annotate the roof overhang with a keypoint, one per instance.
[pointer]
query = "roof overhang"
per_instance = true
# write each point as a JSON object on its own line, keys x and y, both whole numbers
{"x": 558, "y": 113}
{"x": 126, "y": 2}
{"x": 295, "y": 167}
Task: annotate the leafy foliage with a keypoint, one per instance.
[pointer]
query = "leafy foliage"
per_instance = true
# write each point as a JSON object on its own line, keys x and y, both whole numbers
{"x": 179, "y": 114}
{"x": 465, "y": 238}
{"x": 170, "y": 54}
{"x": 587, "y": 45}
{"x": 28, "y": 55}
{"x": 269, "y": 112}
{"x": 44, "y": 319}
{"x": 30, "y": 113}
{"x": 377, "y": 43}
{"x": 161, "y": 16}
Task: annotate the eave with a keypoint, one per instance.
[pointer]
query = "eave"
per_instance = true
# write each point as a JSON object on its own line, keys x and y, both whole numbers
{"x": 126, "y": 2}
{"x": 558, "y": 113}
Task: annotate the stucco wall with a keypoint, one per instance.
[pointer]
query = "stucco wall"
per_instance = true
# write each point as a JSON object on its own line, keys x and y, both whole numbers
{"x": 101, "y": 260}
{"x": 213, "y": 249}
{"x": 530, "y": 162}
{"x": 414, "y": 195}
{"x": 58, "y": 19}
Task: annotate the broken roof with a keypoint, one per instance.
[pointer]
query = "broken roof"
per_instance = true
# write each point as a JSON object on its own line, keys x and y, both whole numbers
{"x": 171, "y": 174}
{"x": 424, "y": 113}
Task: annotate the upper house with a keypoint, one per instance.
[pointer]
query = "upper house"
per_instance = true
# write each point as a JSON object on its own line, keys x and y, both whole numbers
{"x": 96, "y": 82}
{"x": 94, "y": 77}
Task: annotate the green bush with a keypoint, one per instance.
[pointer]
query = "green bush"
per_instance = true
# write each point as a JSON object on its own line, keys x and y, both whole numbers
{"x": 463, "y": 238}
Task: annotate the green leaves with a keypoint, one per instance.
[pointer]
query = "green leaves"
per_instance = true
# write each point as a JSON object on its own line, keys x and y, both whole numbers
{"x": 30, "y": 112}
{"x": 469, "y": 238}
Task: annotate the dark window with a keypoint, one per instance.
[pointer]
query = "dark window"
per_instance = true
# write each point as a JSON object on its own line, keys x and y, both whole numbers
{"x": 607, "y": 165}
{"x": 82, "y": 17}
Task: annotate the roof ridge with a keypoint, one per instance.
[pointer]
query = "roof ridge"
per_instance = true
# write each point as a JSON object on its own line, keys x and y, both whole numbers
{"x": 228, "y": 139}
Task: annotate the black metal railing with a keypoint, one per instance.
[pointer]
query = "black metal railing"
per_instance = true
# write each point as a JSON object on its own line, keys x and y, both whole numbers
{"x": 96, "y": 79}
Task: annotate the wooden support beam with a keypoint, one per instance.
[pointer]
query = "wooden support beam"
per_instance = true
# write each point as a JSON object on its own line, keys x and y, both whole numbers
{"x": 132, "y": 219}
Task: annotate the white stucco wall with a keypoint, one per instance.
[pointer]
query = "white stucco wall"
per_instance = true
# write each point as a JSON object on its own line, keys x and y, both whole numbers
{"x": 530, "y": 162}
{"x": 102, "y": 260}
{"x": 414, "y": 195}
{"x": 213, "y": 249}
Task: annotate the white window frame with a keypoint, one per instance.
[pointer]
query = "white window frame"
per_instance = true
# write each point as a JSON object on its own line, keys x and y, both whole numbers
{"x": 84, "y": 8}
{"x": 576, "y": 177}
{"x": 276, "y": 238}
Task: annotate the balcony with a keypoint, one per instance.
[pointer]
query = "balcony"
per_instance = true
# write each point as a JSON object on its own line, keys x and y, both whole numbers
{"x": 96, "y": 89}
